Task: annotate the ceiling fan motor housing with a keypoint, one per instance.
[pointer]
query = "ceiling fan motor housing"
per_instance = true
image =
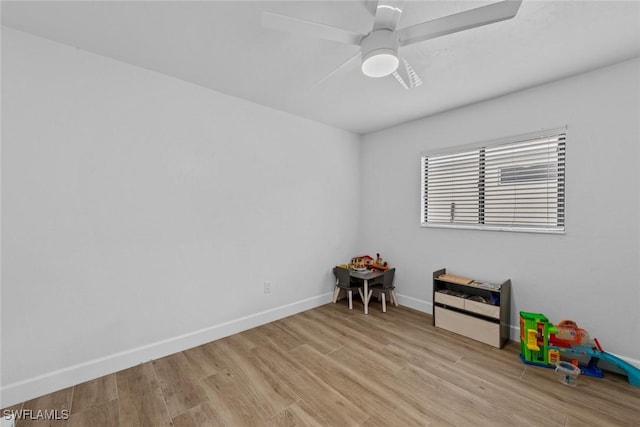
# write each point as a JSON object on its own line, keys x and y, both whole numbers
{"x": 379, "y": 51}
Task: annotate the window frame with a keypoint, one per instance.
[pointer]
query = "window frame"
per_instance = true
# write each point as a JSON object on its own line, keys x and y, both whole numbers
{"x": 481, "y": 148}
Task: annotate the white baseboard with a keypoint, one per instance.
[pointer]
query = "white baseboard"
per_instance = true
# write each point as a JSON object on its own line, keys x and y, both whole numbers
{"x": 21, "y": 391}
{"x": 415, "y": 303}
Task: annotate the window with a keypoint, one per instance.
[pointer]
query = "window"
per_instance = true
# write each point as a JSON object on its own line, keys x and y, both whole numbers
{"x": 515, "y": 185}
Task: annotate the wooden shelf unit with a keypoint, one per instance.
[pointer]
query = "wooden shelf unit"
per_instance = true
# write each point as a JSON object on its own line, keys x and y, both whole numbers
{"x": 455, "y": 310}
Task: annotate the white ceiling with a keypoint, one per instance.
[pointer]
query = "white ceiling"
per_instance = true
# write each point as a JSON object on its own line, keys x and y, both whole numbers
{"x": 221, "y": 45}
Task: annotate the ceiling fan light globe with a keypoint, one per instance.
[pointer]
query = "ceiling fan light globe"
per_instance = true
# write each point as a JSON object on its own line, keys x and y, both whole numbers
{"x": 380, "y": 63}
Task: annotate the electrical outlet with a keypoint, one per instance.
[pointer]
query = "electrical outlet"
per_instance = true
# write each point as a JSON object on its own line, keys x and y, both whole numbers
{"x": 267, "y": 287}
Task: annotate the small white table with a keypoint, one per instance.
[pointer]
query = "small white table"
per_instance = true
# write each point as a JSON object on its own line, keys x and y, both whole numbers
{"x": 365, "y": 276}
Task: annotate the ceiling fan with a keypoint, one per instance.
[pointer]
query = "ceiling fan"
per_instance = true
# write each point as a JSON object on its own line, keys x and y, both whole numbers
{"x": 379, "y": 48}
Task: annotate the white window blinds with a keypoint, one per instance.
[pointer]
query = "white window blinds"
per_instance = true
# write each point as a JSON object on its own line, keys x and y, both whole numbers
{"x": 517, "y": 185}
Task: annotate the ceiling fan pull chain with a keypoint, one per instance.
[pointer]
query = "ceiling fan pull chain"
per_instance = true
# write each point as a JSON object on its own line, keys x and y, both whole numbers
{"x": 400, "y": 80}
{"x": 414, "y": 79}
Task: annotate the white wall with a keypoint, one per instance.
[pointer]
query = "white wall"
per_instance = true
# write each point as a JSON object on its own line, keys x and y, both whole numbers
{"x": 591, "y": 274}
{"x": 141, "y": 214}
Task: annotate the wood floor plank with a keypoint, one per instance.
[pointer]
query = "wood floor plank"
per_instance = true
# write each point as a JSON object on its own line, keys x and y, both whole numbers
{"x": 390, "y": 416}
{"x": 507, "y": 391}
{"x": 376, "y": 361}
{"x": 144, "y": 409}
{"x": 57, "y": 403}
{"x": 331, "y": 406}
{"x": 234, "y": 400}
{"x": 413, "y": 336}
{"x": 179, "y": 383}
{"x": 268, "y": 333}
{"x": 101, "y": 415}
{"x": 276, "y": 360}
{"x": 247, "y": 341}
{"x": 309, "y": 333}
{"x": 140, "y": 400}
{"x": 280, "y": 337}
{"x": 581, "y": 420}
{"x": 578, "y": 401}
{"x": 349, "y": 333}
{"x": 204, "y": 360}
{"x": 94, "y": 392}
{"x": 299, "y": 414}
{"x": 612, "y": 391}
{"x": 393, "y": 398}
{"x": 423, "y": 353}
{"x": 505, "y": 361}
{"x": 202, "y": 415}
{"x": 326, "y": 401}
{"x": 136, "y": 380}
{"x": 368, "y": 387}
{"x": 445, "y": 401}
{"x": 462, "y": 376}
{"x": 274, "y": 395}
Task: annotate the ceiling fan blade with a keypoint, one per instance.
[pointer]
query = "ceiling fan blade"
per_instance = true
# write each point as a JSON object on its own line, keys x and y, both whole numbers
{"x": 387, "y": 14}
{"x": 290, "y": 24}
{"x": 480, "y": 16}
{"x": 342, "y": 67}
{"x": 372, "y": 6}
{"x": 406, "y": 75}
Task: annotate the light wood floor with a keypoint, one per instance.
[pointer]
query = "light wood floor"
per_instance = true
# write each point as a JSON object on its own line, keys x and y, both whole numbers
{"x": 333, "y": 367}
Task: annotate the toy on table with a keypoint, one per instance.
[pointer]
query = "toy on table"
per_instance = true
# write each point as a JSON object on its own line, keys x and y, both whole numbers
{"x": 361, "y": 262}
{"x": 542, "y": 343}
{"x": 379, "y": 264}
{"x": 366, "y": 262}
